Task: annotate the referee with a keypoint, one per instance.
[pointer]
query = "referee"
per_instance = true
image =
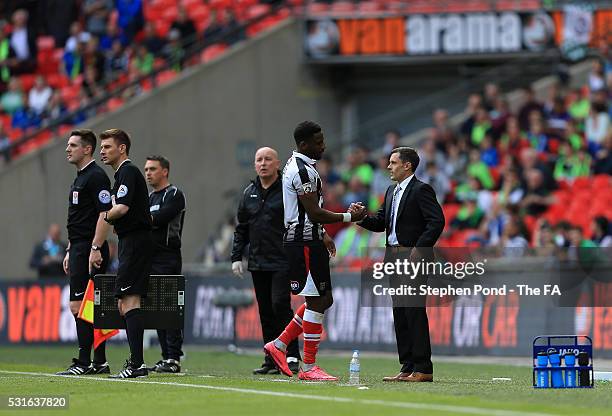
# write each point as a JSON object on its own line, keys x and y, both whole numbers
{"x": 87, "y": 251}
{"x": 167, "y": 207}
{"x": 261, "y": 226}
{"x": 132, "y": 221}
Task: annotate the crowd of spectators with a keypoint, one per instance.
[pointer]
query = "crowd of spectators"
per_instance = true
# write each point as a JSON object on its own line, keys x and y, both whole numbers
{"x": 61, "y": 56}
{"x": 506, "y": 179}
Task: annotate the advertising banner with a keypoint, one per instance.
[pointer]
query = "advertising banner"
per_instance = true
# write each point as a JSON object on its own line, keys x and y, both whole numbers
{"x": 337, "y": 39}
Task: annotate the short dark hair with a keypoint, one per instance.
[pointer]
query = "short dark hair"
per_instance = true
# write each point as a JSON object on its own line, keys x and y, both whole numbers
{"x": 120, "y": 137}
{"x": 88, "y": 137}
{"x": 408, "y": 154}
{"x": 305, "y": 130}
{"x": 165, "y": 163}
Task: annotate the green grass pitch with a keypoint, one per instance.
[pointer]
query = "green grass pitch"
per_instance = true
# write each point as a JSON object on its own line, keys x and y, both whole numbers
{"x": 221, "y": 383}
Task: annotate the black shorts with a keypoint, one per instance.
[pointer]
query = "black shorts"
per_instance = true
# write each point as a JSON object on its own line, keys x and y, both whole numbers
{"x": 135, "y": 253}
{"x": 308, "y": 269}
{"x": 165, "y": 262}
{"x": 78, "y": 262}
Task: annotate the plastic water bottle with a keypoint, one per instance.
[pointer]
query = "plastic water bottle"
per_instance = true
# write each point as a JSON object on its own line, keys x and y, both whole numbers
{"x": 354, "y": 368}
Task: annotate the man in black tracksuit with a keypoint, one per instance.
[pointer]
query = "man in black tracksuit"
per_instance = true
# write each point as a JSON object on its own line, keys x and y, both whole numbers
{"x": 167, "y": 207}
{"x": 261, "y": 224}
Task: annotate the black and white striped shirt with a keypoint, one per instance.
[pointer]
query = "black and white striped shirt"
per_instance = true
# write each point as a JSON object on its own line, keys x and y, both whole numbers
{"x": 300, "y": 177}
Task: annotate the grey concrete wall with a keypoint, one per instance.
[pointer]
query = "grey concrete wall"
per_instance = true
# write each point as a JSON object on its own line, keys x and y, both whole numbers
{"x": 206, "y": 123}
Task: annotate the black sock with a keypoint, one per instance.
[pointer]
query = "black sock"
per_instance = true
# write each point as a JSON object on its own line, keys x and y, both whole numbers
{"x": 100, "y": 354}
{"x": 135, "y": 328}
{"x": 85, "y": 338}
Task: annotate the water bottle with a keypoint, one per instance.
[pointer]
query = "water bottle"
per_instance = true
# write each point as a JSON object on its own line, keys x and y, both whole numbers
{"x": 570, "y": 373}
{"x": 541, "y": 372}
{"x": 354, "y": 368}
{"x": 556, "y": 375}
{"x": 583, "y": 374}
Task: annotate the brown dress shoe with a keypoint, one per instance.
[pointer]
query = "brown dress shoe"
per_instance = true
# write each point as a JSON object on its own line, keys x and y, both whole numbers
{"x": 397, "y": 377}
{"x": 417, "y": 378}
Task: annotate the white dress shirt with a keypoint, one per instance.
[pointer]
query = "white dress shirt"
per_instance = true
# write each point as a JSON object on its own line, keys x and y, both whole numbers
{"x": 392, "y": 239}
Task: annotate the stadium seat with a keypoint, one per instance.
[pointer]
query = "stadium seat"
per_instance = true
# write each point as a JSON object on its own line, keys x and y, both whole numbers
{"x": 213, "y": 51}
{"x": 45, "y": 43}
{"x": 370, "y": 7}
{"x": 258, "y": 10}
{"x": 342, "y": 7}
{"x": 317, "y": 8}
{"x": 601, "y": 182}
{"x": 57, "y": 81}
{"x": 27, "y": 81}
{"x": 114, "y": 103}
{"x": 581, "y": 183}
{"x": 165, "y": 77}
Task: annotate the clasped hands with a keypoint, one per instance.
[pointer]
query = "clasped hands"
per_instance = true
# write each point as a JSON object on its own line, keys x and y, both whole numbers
{"x": 358, "y": 211}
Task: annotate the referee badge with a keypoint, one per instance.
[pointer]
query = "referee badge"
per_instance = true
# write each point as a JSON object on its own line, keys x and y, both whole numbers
{"x": 104, "y": 196}
{"x": 123, "y": 190}
{"x": 75, "y": 197}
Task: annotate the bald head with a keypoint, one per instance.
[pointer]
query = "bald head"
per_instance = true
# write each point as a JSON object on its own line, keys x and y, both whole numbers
{"x": 267, "y": 164}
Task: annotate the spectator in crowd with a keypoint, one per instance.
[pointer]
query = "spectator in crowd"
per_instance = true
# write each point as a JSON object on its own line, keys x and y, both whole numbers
{"x": 557, "y": 117}
{"x": 91, "y": 86}
{"x": 48, "y": 255}
{"x": 488, "y": 152}
{"x": 93, "y": 57}
{"x": 597, "y": 76}
{"x": 456, "y": 164}
{"x": 143, "y": 59}
{"x": 173, "y": 51}
{"x": 72, "y": 62}
{"x": 77, "y": 35}
{"x": 429, "y": 153}
{"x": 151, "y": 40}
{"x": 23, "y": 41}
{"x": 544, "y": 239}
{"x": 8, "y": 58}
{"x": 571, "y": 165}
{"x": 530, "y": 104}
{"x": 55, "y": 107}
{"x": 537, "y": 198}
{"x": 492, "y": 227}
{"x": 117, "y": 61}
{"x": 57, "y": 17}
{"x": 491, "y": 96}
{"x": 596, "y": 127}
{"x": 469, "y": 215}
{"x": 580, "y": 248}
{"x": 478, "y": 169}
{"x": 332, "y": 201}
{"x": 359, "y": 167}
{"x": 529, "y": 160}
{"x": 499, "y": 117}
{"x": 12, "y": 100}
{"x": 474, "y": 103}
{"x": 601, "y": 231}
{"x": 510, "y": 191}
{"x": 481, "y": 127}
{"x": 392, "y": 138}
{"x": 39, "y": 95}
{"x": 561, "y": 234}
{"x": 5, "y": 151}
{"x": 110, "y": 36}
{"x": 185, "y": 27}
{"x": 442, "y": 132}
{"x": 97, "y": 13}
{"x": 603, "y": 157}
{"x": 357, "y": 192}
{"x": 513, "y": 141}
{"x": 130, "y": 19}
{"x": 572, "y": 136}
{"x": 537, "y": 136}
{"x": 438, "y": 181}
{"x": 513, "y": 241}
{"x": 579, "y": 104}
{"x": 326, "y": 170}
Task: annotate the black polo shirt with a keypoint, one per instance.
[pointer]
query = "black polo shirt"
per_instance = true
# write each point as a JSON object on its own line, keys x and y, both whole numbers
{"x": 89, "y": 196}
{"x": 130, "y": 189}
{"x": 167, "y": 207}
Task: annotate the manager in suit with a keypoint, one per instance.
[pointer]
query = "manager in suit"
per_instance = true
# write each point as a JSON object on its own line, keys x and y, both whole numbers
{"x": 413, "y": 220}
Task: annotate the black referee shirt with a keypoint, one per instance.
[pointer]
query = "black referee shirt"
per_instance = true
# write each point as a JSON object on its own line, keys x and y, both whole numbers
{"x": 167, "y": 207}
{"x": 89, "y": 195}
{"x": 130, "y": 189}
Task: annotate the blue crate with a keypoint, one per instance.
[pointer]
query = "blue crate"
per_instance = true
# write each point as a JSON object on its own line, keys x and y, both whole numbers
{"x": 563, "y": 344}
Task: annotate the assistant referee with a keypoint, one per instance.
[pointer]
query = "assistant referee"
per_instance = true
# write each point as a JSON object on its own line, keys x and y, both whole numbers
{"x": 167, "y": 207}
{"x": 132, "y": 221}
{"x": 87, "y": 252}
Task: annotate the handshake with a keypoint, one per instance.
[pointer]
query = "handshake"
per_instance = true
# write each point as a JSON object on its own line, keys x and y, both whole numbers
{"x": 358, "y": 211}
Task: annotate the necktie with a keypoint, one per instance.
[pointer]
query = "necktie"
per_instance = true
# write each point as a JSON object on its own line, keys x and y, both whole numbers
{"x": 395, "y": 193}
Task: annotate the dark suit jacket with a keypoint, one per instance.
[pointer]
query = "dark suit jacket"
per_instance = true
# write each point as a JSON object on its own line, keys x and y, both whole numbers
{"x": 420, "y": 220}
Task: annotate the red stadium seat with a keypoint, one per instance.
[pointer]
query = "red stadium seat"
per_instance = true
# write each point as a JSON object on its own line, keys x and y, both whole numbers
{"x": 165, "y": 77}
{"x": 602, "y": 182}
{"x": 170, "y": 14}
{"x": 27, "y": 81}
{"x": 581, "y": 183}
{"x": 370, "y": 7}
{"x": 317, "y": 8}
{"x": 114, "y": 103}
{"x": 257, "y": 10}
{"x": 213, "y": 51}
{"x": 342, "y": 7}
{"x": 45, "y": 43}
{"x": 58, "y": 81}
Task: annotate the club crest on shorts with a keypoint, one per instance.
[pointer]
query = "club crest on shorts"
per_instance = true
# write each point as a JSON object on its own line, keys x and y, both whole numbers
{"x": 123, "y": 190}
{"x": 104, "y": 196}
{"x": 295, "y": 285}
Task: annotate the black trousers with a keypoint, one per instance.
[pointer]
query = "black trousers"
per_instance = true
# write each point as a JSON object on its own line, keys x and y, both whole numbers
{"x": 272, "y": 290}
{"x": 170, "y": 340}
{"x": 412, "y": 337}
